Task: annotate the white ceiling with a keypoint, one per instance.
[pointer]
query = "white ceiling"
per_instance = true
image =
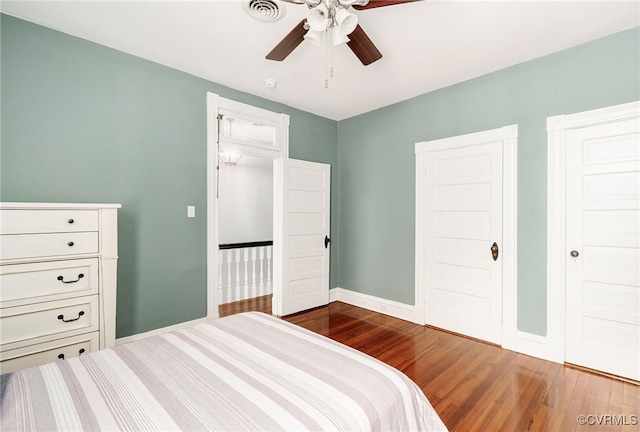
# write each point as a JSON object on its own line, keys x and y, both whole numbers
{"x": 426, "y": 45}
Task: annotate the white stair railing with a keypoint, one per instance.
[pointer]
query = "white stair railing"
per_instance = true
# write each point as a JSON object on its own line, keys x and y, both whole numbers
{"x": 244, "y": 271}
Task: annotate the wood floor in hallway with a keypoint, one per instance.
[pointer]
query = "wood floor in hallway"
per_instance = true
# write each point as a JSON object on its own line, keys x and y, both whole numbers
{"x": 476, "y": 386}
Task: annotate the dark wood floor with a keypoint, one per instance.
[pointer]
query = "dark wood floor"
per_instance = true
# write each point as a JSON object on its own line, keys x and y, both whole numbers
{"x": 472, "y": 385}
{"x": 262, "y": 304}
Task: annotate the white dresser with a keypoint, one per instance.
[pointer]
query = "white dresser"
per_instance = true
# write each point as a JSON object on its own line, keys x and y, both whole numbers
{"x": 57, "y": 281}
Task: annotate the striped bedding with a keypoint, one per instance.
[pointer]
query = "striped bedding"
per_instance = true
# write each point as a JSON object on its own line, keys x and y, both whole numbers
{"x": 243, "y": 372}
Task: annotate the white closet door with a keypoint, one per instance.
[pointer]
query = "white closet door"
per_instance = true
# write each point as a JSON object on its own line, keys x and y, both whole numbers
{"x": 306, "y": 213}
{"x": 603, "y": 239}
{"x": 463, "y": 211}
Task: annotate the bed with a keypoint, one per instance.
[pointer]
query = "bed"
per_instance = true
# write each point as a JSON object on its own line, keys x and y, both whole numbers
{"x": 249, "y": 371}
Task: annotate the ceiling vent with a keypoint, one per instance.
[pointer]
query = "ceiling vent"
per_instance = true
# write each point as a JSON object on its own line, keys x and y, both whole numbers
{"x": 265, "y": 10}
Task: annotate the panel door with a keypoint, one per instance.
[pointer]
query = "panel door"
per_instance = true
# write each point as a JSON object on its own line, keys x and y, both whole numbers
{"x": 305, "y": 231}
{"x": 603, "y": 239}
{"x": 463, "y": 210}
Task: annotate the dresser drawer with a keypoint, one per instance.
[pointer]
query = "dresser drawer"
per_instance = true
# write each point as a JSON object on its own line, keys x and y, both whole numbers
{"x": 46, "y": 281}
{"x": 40, "y": 322}
{"x": 47, "y": 221}
{"x": 59, "y": 349}
{"x": 16, "y": 246}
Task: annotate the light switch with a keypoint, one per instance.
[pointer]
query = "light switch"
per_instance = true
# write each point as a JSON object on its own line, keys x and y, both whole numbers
{"x": 191, "y": 211}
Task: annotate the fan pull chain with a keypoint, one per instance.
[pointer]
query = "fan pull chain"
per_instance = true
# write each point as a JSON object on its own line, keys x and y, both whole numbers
{"x": 328, "y": 67}
{"x": 327, "y": 60}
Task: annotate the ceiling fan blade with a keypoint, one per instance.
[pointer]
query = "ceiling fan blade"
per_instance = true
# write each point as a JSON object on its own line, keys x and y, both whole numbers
{"x": 380, "y": 3}
{"x": 363, "y": 47}
{"x": 289, "y": 43}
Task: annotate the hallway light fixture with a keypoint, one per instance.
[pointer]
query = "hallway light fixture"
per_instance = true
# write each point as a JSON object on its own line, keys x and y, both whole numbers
{"x": 229, "y": 159}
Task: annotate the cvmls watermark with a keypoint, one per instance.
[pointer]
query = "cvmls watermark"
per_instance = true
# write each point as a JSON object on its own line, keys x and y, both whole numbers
{"x": 607, "y": 420}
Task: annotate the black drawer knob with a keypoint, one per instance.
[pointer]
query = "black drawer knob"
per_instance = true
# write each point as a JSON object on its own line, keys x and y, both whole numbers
{"x": 70, "y": 244}
{"x": 61, "y": 356}
{"x": 70, "y": 221}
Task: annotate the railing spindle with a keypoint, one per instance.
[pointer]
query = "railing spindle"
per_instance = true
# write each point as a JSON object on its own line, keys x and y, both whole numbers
{"x": 220, "y": 264}
{"x": 229, "y": 278}
{"x": 253, "y": 272}
{"x": 261, "y": 286}
{"x": 237, "y": 262}
{"x": 246, "y": 275}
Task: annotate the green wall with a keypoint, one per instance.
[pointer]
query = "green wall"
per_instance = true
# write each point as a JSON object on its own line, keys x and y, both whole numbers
{"x": 86, "y": 123}
{"x": 82, "y": 122}
{"x": 377, "y": 161}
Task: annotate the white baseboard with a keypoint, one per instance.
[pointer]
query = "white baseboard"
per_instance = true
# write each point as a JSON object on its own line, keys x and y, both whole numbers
{"x": 155, "y": 332}
{"x": 376, "y": 304}
{"x": 520, "y": 342}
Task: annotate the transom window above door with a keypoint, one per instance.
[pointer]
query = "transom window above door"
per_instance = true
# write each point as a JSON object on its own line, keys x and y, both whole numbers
{"x": 250, "y": 130}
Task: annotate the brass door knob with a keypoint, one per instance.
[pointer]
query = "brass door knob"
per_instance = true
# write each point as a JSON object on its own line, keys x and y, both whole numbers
{"x": 495, "y": 251}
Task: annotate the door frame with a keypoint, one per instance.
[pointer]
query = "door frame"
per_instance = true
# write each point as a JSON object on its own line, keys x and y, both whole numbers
{"x": 557, "y": 127}
{"x": 509, "y": 137}
{"x": 281, "y": 151}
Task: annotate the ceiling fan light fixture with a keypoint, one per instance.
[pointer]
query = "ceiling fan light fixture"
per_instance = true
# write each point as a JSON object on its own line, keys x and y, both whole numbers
{"x": 338, "y": 37}
{"x": 315, "y": 37}
{"x": 345, "y": 20}
{"x": 326, "y": 15}
{"x": 318, "y": 18}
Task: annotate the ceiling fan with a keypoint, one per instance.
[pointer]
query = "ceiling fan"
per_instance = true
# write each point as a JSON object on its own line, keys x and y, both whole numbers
{"x": 332, "y": 14}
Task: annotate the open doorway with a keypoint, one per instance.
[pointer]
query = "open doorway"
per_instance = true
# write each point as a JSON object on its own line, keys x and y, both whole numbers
{"x": 300, "y": 211}
{"x": 259, "y": 137}
{"x": 245, "y": 235}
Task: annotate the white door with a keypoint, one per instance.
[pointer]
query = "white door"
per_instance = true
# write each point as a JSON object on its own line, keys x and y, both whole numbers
{"x": 463, "y": 219}
{"x": 603, "y": 239}
{"x": 304, "y": 241}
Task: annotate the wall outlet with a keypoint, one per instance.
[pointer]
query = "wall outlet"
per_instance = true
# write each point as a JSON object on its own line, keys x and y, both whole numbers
{"x": 191, "y": 211}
